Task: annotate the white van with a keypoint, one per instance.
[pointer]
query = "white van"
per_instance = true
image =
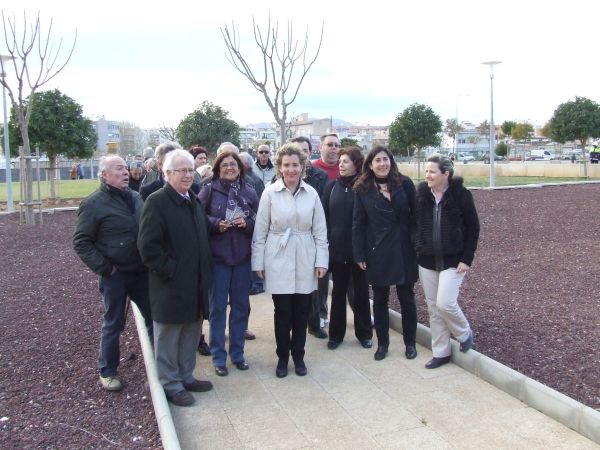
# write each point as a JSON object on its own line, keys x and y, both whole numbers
{"x": 543, "y": 155}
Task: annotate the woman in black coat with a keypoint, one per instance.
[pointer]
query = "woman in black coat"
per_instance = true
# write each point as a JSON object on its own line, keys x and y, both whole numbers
{"x": 446, "y": 240}
{"x": 338, "y": 204}
{"x": 382, "y": 227}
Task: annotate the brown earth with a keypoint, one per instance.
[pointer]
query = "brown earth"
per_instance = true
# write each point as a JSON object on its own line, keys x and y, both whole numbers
{"x": 532, "y": 298}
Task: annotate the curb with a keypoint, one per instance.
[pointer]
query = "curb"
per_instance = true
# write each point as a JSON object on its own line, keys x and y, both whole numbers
{"x": 565, "y": 410}
{"x": 164, "y": 419}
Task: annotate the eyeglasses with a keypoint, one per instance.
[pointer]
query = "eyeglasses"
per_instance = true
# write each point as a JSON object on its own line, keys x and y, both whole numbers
{"x": 263, "y": 153}
{"x": 333, "y": 144}
{"x": 226, "y": 165}
{"x": 184, "y": 171}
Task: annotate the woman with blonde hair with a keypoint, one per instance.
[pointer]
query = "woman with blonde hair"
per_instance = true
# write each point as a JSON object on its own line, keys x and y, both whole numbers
{"x": 289, "y": 251}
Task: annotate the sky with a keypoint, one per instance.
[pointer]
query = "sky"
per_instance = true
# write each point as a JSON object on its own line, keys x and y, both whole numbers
{"x": 152, "y": 63}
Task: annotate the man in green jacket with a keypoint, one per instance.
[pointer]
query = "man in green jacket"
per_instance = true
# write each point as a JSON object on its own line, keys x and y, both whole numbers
{"x": 105, "y": 240}
{"x": 173, "y": 243}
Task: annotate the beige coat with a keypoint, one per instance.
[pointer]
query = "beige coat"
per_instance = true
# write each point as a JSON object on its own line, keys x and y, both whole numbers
{"x": 290, "y": 239}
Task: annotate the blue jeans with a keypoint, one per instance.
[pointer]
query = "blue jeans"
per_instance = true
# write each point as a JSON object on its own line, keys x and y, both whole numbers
{"x": 232, "y": 282}
{"x": 114, "y": 290}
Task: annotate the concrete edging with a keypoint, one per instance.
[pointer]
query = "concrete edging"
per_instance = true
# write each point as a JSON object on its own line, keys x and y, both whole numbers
{"x": 569, "y": 412}
{"x": 164, "y": 419}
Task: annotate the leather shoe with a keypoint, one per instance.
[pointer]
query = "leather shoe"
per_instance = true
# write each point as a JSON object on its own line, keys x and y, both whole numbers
{"x": 249, "y": 335}
{"x": 468, "y": 344}
{"x": 203, "y": 348}
{"x": 366, "y": 343}
{"x": 332, "y": 345}
{"x": 411, "y": 352}
{"x": 300, "y": 368}
{"x": 181, "y": 398}
{"x": 319, "y": 334}
{"x": 434, "y": 363}
{"x": 256, "y": 291}
{"x": 380, "y": 353}
{"x": 198, "y": 386}
{"x": 242, "y": 365}
{"x": 282, "y": 370}
{"x": 221, "y": 371}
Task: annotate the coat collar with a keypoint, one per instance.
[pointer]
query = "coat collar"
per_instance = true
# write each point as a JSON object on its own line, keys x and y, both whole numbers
{"x": 279, "y": 186}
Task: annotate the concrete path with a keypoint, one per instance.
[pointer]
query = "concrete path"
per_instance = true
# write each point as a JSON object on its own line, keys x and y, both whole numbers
{"x": 350, "y": 401}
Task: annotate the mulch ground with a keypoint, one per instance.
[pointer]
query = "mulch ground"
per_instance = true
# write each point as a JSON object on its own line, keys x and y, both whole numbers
{"x": 532, "y": 297}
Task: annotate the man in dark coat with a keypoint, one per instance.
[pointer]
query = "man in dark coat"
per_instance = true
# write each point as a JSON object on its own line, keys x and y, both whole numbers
{"x": 105, "y": 240}
{"x": 173, "y": 243}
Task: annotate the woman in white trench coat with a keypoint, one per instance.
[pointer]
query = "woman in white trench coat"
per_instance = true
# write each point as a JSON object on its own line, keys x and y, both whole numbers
{"x": 289, "y": 251}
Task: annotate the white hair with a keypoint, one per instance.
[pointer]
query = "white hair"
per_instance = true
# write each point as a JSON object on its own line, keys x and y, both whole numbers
{"x": 246, "y": 159}
{"x": 227, "y": 146}
{"x": 103, "y": 164}
{"x": 178, "y": 153}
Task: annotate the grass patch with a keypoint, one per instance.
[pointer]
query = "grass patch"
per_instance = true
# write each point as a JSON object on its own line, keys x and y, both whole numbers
{"x": 65, "y": 189}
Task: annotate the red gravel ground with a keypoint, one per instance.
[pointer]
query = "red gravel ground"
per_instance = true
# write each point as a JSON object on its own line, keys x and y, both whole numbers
{"x": 532, "y": 297}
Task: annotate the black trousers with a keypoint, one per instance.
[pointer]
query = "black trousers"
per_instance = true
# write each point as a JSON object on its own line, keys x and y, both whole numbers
{"x": 408, "y": 309}
{"x": 291, "y": 316}
{"x": 346, "y": 277}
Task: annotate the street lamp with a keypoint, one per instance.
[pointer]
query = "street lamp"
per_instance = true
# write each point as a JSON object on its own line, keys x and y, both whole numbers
{"x": 457, "y": 126}
{"x": 8, "y": 167}
{"x": 492, "y": 129}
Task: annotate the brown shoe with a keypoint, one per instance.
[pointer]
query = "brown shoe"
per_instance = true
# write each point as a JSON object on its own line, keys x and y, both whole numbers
{"x": 181, "y": 398}
{"x": 198, "y": 386}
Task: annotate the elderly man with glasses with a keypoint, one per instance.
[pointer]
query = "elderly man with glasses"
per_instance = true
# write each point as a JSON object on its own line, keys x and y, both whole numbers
{"x": 173, "y": 244}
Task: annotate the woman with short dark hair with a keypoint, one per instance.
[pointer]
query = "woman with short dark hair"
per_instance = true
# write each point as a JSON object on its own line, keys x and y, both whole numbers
{"x": 338, "y": 204}
{"x": 446, "y": 240}
{"x": 231, "y": 206}
{"x": 383, "y": 225}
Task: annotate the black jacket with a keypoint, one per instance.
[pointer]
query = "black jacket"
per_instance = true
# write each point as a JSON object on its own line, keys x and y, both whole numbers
{"x": 317, "y": 178}
{"x": 173, "y": 243}
{"x": 381, "y": 234}
{"x": 153, "y": 186}
{"x": 338, "y": 204}
{"x": 459, "y": 226}
{"x": 106, "y": 230}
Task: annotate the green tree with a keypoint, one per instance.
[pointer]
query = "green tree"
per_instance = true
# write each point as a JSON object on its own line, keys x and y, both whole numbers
{"x": 502, "y": 149}
{"x": 208, "y": 126}
{"x": 576, "y": 120}
{"x": 452, "y": 128}
{"x": 522, "y": 131}
{"x": 416, "y": 128}
{"x": 348, "y": 142}
{"x": 546, "y": 130}
{"x": 57, "y": 127}
{"x": 507, "y": 127}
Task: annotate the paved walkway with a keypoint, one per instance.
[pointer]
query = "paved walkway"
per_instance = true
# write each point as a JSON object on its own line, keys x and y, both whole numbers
{"x": 350, "y": 401}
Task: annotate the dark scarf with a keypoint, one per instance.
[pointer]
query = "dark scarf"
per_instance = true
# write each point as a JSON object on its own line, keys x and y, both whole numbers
{"x": 383, "y": 180}
{"x": 237, "y": 205}
{"x": 349, "y": 180}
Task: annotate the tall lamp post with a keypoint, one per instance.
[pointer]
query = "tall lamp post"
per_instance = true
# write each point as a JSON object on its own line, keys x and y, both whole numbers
{"x": 456, "y": 119}
{"x": 8, "y": 167}
{"x": 492, "y": 129}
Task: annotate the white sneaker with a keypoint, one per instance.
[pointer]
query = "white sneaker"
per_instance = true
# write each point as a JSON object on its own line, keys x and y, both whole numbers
{"x": 321, "y": 323}
{"x": 111, "y": 383}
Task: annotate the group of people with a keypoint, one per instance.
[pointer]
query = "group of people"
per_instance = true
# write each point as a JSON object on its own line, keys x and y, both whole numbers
{"x": 197, "y": 241}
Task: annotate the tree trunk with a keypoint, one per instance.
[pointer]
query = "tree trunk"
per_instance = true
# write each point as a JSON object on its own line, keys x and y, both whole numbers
{"x": 27, "y": 180}
{"x": 53, "y": 176}
{"x": 282, "y": 132}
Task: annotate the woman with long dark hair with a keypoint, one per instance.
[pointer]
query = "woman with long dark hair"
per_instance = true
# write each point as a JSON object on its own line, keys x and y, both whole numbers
{"x": 446, "y": 240}
{"x": 382, "y": 228}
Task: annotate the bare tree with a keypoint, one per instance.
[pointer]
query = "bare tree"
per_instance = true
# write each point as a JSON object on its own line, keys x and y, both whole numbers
{"x": 35, "y": 60}
{"x": 168, "y": 133}
{"x": 281, "y": 57}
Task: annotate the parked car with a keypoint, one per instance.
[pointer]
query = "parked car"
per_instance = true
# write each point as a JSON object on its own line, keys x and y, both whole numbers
{"x": 465, "y": 157}
{"x": 486, "y": 158}
{"x": 540, "y": 155}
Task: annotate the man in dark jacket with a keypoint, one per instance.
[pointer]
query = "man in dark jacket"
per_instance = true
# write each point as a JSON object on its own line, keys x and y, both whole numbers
{"x": 105, "y": 240}
{"x": 173, "y": 243}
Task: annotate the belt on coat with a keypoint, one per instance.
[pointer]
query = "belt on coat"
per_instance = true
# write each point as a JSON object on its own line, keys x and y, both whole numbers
{"x": 285, "y": 235}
